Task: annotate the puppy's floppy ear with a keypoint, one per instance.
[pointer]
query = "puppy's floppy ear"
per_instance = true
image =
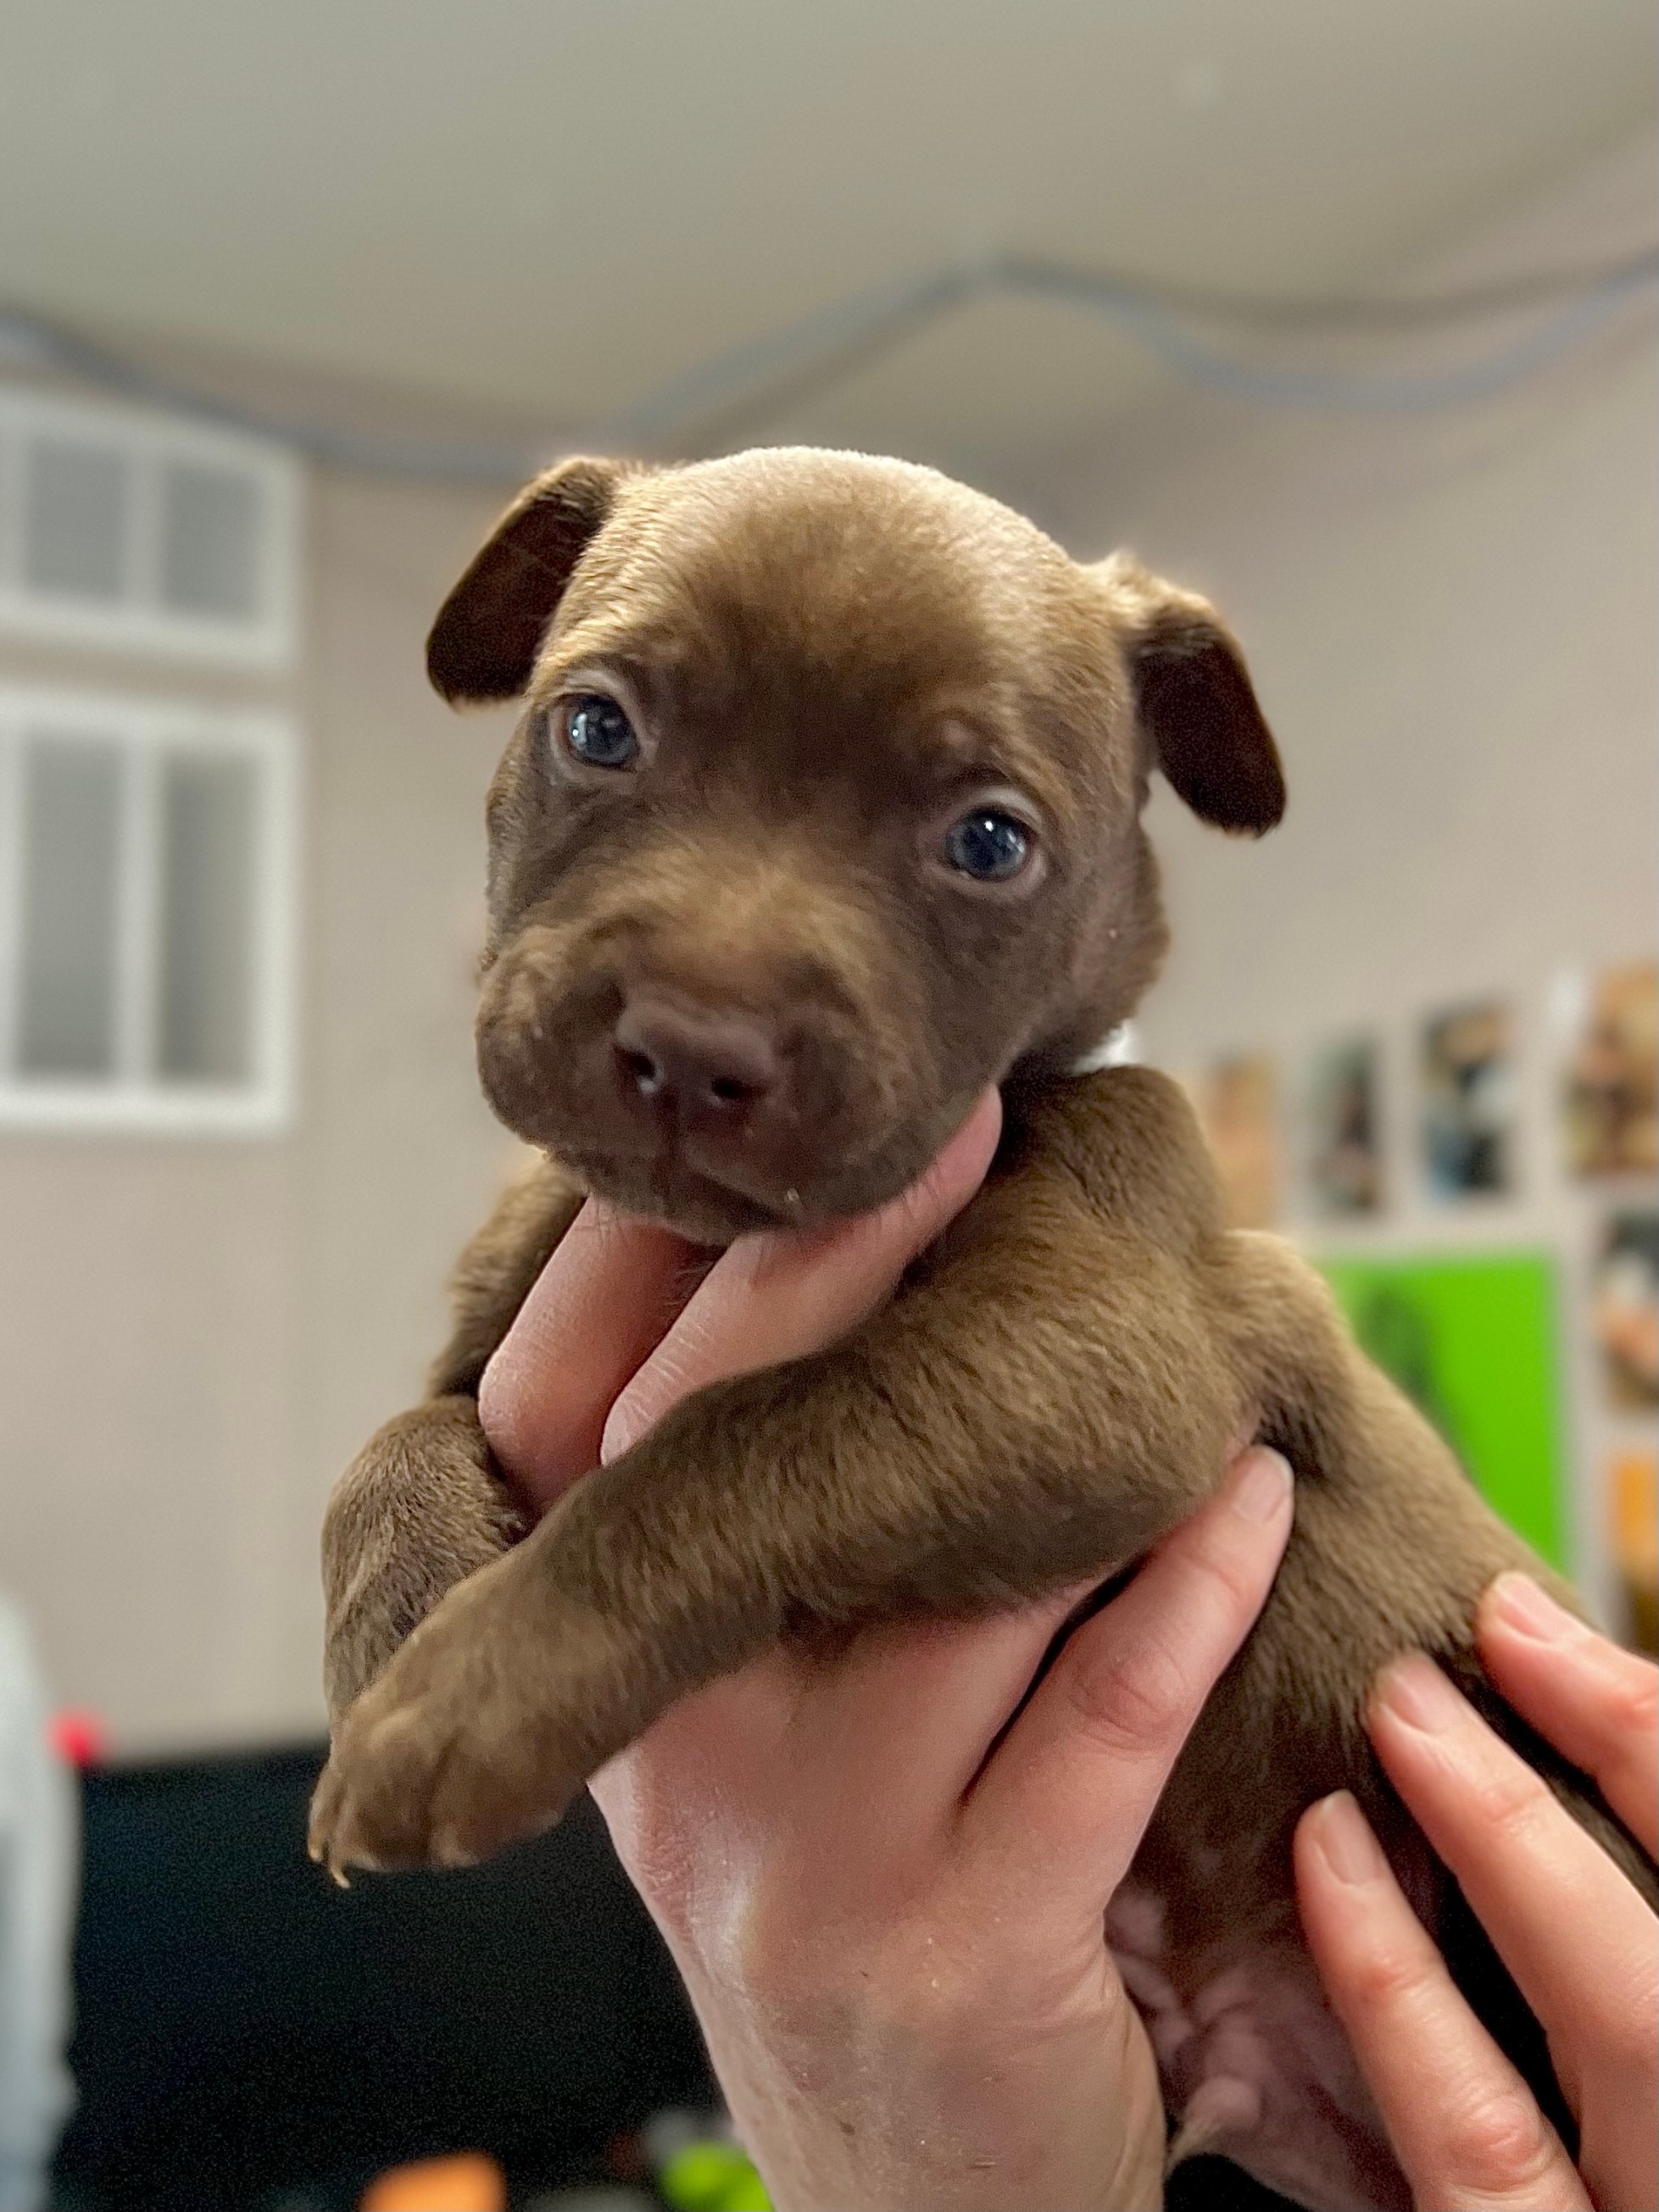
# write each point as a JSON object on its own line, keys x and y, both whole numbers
{"x": 489, "y": 631}
{"x": 1193, "y": 696}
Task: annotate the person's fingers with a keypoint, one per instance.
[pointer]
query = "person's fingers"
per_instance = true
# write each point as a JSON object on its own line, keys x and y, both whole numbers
{"x": 1597, "y": 1704}
{"x": 613, "y": 1286}
{"x": 871, "y": 1741}
{"x": 1464, "y": 2124}
{"x": 1579, "y": 1941}
{"x": 775, "y": 1296}
{"x": 908, "y": 1709}
{"x": 913, "y": 1707}
{"x": 1075, "y": 1784}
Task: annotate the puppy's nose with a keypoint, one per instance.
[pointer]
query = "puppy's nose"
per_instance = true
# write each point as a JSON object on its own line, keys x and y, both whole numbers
{"x": 708, "y": 1065}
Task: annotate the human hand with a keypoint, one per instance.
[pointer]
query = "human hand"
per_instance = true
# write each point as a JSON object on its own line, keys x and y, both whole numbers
{"x": 1581, "y": 1943}
{"x": 887, "y": 1901}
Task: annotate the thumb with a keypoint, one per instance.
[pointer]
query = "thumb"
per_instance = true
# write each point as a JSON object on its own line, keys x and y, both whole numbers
{"x": 779, "y": 1295}
{"x": 1084, "y": 1767}
{"x": 597, "y": 1308}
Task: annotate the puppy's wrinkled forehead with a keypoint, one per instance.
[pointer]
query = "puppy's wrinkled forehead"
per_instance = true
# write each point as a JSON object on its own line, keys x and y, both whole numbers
{"x": 787, "y": 581}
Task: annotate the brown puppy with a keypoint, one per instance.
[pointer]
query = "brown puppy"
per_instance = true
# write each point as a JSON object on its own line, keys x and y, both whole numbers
{"x": 824, "y": 812}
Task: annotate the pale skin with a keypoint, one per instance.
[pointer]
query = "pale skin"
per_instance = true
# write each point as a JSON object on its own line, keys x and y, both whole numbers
{"x": 887, "y": 1901}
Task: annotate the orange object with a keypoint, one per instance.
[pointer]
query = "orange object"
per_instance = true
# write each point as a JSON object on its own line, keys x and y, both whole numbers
{"x": 467, "y": 2182}
{"x": 1635, "y": 1501}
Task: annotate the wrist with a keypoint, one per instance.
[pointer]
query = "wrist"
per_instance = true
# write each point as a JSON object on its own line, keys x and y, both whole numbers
{"x": 887, "y": 2106}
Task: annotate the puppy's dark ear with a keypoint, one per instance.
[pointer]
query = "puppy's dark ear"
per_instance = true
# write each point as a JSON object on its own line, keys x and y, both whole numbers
{"x": 489, "y": 631}
{"x": 1193, "y": 693}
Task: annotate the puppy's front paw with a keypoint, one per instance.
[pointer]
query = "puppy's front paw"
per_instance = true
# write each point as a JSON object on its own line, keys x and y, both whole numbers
{"x": 419, "y": 1510}
{"x": 467, "y": 1743}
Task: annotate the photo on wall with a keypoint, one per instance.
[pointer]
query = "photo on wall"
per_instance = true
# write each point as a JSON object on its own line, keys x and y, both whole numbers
{"x": 1344, "y": 1158}
{"x": 1472, "y": 1338}
{"x": 1625, "y": 1309}
{"x": 1468, "y": 1101}
{"x": 1238, "y": 1106}
{"x": 1610, "y": 1097}
{"x": 1632, "y": 1502}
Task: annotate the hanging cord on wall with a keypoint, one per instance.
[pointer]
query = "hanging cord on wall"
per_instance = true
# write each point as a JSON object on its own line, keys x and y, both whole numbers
{"x": 750, "y": 383}
{"x": 32, "y": 341}
{"x": 819, "y": 350}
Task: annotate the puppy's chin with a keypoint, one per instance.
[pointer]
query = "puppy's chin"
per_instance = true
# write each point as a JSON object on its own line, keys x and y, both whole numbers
{"x": 706, "y": 1209}
{"x": 693, "y": 1205}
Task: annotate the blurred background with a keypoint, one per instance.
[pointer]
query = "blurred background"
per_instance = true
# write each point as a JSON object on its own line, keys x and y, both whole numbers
{"x": 1344, "y": 315}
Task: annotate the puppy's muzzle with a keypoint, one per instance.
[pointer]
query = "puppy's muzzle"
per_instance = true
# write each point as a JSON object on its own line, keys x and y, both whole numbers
{"x": 715, "y": 1091}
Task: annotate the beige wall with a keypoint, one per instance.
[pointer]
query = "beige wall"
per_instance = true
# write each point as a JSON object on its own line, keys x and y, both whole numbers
{"x": 1450, "y": 617}
{"x": 194, "y": 1336}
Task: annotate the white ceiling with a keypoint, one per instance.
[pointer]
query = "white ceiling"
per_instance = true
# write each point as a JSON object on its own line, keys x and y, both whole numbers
{"x": 548, "y": 207}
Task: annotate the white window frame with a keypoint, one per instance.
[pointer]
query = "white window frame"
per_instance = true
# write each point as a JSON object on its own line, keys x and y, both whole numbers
{"x": 139, "y": 621}
{"x": 133, "y": 1098}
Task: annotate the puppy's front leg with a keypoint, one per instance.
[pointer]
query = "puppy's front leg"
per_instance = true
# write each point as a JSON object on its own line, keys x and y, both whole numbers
{"x": 423, "y": 1506}
{"x": 419, "y": 1508}
{"x": 982, "y": 1441}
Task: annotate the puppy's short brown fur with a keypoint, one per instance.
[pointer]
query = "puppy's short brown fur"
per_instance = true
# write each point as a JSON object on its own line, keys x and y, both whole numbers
{"x": 737, "y": 975}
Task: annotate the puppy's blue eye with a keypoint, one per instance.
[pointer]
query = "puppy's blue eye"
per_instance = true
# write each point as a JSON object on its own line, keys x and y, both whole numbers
{"x": 989, "y": 846}
{"x": 597, "y": 730}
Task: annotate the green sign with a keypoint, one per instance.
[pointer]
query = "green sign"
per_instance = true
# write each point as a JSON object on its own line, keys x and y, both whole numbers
{"x": 1471, "y": 1338}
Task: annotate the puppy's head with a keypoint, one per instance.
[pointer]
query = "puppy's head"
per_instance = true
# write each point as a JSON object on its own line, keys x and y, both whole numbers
{"x": 824, "y": 812}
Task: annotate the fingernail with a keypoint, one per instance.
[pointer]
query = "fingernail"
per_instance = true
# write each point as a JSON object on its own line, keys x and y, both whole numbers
{"x": 1521, "y": 1605}
{"x": 1261, "y": 1487}
{"x": 1344, "y": 1835}
{"x": 1416, "y": 1691}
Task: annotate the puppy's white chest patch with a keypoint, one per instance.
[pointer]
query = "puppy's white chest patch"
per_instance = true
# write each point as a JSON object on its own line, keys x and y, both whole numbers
{"x": 1253, "y": 2064}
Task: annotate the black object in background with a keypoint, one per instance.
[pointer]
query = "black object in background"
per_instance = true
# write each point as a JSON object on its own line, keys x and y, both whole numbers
{"x": 247, "y": 2033}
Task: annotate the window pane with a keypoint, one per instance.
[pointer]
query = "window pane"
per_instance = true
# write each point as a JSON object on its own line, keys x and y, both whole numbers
{"x": 71, "y": 864}
{"x": 209, "y": 539}
{"x": 207, "y": 916}
{"x": 74, "y": 526}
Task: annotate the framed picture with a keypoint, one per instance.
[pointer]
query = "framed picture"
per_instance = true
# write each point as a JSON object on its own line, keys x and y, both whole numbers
{"x": 1610, "y": 1097}
{"x": 1624, "y": 1309}
{"x": 1238, "y": 1105}
{"x": 1472, "y": 1339}
{"x": 1344, "y": 1159}
{"x": 1469, "y": 1110}
{"x": 1633, "y": 1501}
